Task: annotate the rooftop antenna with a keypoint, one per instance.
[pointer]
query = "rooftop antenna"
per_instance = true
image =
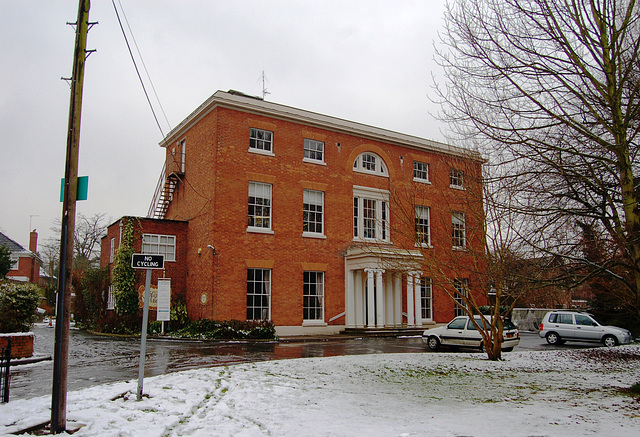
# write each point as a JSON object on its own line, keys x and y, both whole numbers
{"x": 30, "y": 217}
{"x": 263, "y": 77}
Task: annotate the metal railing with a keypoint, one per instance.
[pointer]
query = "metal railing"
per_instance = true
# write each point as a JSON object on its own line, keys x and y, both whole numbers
{"x": 155, "y": 202}
{"x": 165, "y": 186}
{"x": 5, "y": 371}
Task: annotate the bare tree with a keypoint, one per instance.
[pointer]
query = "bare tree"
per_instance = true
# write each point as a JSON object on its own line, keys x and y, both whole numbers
{"x": 549, "y": 90}
{"x": 87, "y": 235}
{"x": 452, "y": 247}
{"x": 88, "y": 232}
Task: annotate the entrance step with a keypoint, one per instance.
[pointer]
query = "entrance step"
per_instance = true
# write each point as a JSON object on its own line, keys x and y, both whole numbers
{"x": 384, "y": 332}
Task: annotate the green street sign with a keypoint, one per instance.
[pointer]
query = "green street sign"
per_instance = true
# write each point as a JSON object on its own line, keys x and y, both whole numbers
{"x": 83, "y": 188}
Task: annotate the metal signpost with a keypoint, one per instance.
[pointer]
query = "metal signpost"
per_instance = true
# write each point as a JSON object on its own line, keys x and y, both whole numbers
{"x": 148, "y": 262}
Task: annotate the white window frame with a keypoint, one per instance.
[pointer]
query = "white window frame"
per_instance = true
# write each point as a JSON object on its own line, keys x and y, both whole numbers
{"x": 311, "y": 148}
{"x": 257, "y": 144}
{"x": 111, "y": 297}
{"x": 311, "y": 199}
{"x": 458, "y": 230}
{"x": 423, "y": 214}
{"x": 456, "y": 179}
{"x": 363, "y": 199}
{"x": 370, "y": 163}
{"x": 15, "y": 262}
{"x": 182, "y": 144}
{"x": 112, "y": 250}
{"x": 462, "y": 289}
{"x": 426, "y": 299}
{"x": 317, "y": 285}
{"x": 258, "y": 190}
{"x": 165, "y": 245}
{"x": 264, "y": 284}
{"x": 423, "y": 170}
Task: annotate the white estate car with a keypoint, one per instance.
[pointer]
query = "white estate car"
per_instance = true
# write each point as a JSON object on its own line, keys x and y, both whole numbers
{"x": 462, "y": 332}
{"x": 560, "y": 326}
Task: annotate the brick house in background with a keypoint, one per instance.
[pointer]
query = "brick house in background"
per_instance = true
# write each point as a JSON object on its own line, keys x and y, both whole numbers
{"x": 168, "y": 237}
{"x": 25, "y": 263}
{"x": 273, "y": 212}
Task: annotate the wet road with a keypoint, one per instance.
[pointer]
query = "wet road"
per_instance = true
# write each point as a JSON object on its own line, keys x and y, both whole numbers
{"x": 97, "y": 360}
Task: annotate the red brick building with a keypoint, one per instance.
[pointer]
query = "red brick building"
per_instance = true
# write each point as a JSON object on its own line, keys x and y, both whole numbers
{"x": 26, "y": 263}
{"x": 146, "y": 239}
{"x": 311, "y": 221}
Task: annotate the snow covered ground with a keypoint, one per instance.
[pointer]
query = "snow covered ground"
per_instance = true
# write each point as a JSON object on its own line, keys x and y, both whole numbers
{"x": 530, "y": 393}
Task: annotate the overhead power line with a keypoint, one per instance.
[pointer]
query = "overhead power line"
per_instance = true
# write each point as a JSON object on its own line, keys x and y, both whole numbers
{"x": 124, "y": 34}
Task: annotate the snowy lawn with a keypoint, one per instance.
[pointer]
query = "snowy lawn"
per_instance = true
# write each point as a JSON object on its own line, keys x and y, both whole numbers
{"x": 530, "y": 393}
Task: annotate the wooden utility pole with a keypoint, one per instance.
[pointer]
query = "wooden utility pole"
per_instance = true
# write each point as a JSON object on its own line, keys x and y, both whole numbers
{"x": 61, "y": 351}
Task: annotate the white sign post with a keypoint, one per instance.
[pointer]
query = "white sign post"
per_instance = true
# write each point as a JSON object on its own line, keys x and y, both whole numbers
{"x": 148, "y": 262}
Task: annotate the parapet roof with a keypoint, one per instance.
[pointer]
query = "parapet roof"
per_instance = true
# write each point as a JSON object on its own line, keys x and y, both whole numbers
{"x": 256, "y": 105}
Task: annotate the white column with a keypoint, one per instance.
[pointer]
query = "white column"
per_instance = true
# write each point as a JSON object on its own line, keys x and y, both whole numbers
{"x": 397, "y": 295}
{"x": 351, "y": 299}
{"x": 410, "y": 296}
{"x": 371, "y": 305}
{"x": 359, "y": 298}
{"x": 379, "y": 299}
{"x": 388, "y": 301}
{"x": 418, "y": 298}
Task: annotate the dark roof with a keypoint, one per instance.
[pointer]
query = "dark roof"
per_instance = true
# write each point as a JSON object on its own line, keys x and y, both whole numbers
{"x": 10, "y": 244}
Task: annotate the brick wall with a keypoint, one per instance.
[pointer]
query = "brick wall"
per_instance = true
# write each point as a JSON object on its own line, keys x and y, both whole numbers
{"x": 21, "y": 344}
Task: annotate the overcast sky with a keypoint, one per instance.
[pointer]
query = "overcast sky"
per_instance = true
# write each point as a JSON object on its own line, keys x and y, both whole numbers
{"x": 365, "y": 61}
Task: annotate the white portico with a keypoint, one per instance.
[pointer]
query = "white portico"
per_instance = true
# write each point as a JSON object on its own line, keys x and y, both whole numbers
{"x": 374, "y": 288}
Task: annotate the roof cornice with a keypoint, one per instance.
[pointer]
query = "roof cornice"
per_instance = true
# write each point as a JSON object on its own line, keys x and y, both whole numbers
{"x": 256, "y": 105}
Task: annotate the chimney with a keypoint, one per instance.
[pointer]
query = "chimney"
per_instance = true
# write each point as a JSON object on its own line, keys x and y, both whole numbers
{"x": 34, "y": 275}
{"x": 33, "y": 241}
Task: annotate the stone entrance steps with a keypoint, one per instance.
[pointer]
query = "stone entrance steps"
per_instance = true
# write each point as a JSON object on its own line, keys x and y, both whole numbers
{"x": 383, "y": 332}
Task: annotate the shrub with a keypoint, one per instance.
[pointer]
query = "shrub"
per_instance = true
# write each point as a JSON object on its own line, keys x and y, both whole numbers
{"x": 124, "y": 276}
{"x": 94, "y": 288}
{"x": 179, "y": 316}
{"x": 487, "y": 310}
{"x": 229, "y": 330}
{"x": 18, "y": 304}
{"x": 5, "y": 261}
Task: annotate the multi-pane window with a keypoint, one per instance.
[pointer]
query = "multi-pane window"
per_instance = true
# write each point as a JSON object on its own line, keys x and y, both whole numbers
{"x": 356, "y": 216}
{"x": 313, "y": 296}
{"x": 258, "y": 294}
{"x": 462, "y": 292}
{"x": 259, "y": 205}
{"x": 369, "y": 218}
{"x": 370, "y": 214}
{"x": 160, "y": 245}
{"x": 423, "y": 234}
{"x": 426, "y": 298}
{"x": 458, "y": 232}
{"x": 370, "y": 163}
{"x": 314, "y": 150}
{"x": 112, "y": 250}
{"x": 313, "y": 211}
{"x": 261, "y": 140}
{"x": 111, "y": 298}
{"x": 456, "y": 178}
{"x": 420, "y": 171}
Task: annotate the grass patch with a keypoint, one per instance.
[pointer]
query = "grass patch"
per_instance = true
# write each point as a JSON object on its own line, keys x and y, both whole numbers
{"x": 633, "y": 391}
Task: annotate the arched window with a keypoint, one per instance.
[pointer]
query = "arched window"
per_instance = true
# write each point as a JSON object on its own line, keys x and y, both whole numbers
{"x": 369, "y": 162}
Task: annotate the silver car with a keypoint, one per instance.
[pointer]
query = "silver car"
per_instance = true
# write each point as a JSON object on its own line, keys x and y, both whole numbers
{"x": 560, "y": 326}
{"x": 462, "y": 332}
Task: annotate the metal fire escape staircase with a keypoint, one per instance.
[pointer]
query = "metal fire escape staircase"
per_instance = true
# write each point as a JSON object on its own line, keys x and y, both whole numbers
{"x": 172, "y": 173}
